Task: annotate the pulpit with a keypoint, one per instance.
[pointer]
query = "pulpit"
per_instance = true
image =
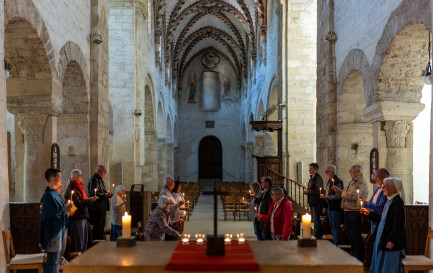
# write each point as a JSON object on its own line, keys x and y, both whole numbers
{"x": 25, "y": 221}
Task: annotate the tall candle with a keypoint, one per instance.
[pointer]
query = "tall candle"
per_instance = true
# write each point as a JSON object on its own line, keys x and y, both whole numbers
{"x": 72, "y": 193}
{"x": 306, "y": 226}
{"x": 126, "y": 226}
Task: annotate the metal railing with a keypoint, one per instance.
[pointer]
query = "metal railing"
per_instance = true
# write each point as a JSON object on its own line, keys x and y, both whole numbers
{"x": 294, "y": 189}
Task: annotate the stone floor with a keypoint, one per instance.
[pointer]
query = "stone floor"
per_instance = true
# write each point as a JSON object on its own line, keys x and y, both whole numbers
{"x": 201, "y": 220}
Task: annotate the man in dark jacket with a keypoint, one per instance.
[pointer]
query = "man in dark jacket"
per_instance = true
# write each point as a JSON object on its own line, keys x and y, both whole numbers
{"x": 101, "y": 205}
{"x": 264, "y": 203}
{"x": 334, "y": 202}
{"x": 315, "y": 185}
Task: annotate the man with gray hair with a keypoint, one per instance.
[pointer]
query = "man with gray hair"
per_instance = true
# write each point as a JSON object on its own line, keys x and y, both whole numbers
{"x": 102, "y": 205}
{"x": 334, "y": 202}
{"x": 351, "y": 194}
{"x": 174, "y": 204}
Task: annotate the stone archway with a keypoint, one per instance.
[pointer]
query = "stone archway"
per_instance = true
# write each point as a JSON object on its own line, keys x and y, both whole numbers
{"x": 150, "y": 168}
{"x": 73, "y": 135}
{"x": 29, "y": 92}
{"x": 354, "y": 134}
{"x": 210, "y": 161}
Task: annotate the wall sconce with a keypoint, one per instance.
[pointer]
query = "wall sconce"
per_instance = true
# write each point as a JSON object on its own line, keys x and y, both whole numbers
{"x": 137, "y": 112}
{"x": 96, "y": 38}
{"x": 427, "y": 72}
{"x": 8, "y": 68}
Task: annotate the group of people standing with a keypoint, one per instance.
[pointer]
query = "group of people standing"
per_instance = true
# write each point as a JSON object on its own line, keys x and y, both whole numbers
{"x": 385, "y": 210}
{"x": 71, "y": 215}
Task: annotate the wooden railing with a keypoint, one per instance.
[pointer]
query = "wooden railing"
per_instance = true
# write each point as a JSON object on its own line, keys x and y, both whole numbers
{"x": 294, "y": 189}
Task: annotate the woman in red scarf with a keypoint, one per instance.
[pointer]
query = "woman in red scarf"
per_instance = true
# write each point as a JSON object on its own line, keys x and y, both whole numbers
{"x": 279, "y": 218}
{"x": 78, "y": 222}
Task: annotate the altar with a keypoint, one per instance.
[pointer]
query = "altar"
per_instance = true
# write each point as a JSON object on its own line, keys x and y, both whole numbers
{"x": 272, "y": 256}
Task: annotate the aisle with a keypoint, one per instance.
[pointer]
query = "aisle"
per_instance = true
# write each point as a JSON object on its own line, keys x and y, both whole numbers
{"x": 201, "y": 221}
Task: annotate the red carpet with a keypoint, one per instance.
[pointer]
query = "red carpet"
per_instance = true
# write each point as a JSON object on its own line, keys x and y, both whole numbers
{"x": 193, "y": 257}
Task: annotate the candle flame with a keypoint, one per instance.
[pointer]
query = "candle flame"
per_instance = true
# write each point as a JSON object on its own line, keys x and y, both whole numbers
{"x": 72, "y": 192}
{"x": 126, "y": 213}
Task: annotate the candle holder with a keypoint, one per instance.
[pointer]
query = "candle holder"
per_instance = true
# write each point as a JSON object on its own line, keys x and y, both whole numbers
{"x": 307, "y": 242}
{"x": 185, "y": 239}
{"x": 228, "y": 239}
{"x": 126, "y": 242}
{"x": 199, "y": 238}
{"x": 242, "y": 238}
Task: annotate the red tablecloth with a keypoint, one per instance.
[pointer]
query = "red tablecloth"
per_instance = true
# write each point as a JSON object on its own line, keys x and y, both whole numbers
{"x": 193, "y": 257}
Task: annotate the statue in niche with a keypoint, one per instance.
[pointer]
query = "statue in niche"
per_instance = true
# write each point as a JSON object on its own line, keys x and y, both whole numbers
{"x": 210, "y": 60}
{"x": 192, "y": 91}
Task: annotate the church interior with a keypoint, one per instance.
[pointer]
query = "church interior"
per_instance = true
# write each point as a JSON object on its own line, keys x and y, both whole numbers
{"x": 214, "y": 92}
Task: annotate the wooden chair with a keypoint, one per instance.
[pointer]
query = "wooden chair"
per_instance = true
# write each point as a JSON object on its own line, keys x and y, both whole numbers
{"x": 419, "y": 262}
{"x": 229, "y": 206}
{"x": 20, "y": 261}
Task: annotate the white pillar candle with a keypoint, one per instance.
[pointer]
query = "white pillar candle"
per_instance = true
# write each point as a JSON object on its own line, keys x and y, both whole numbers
{"x": 126, "y": 226}
{"x": 306, "y": 226}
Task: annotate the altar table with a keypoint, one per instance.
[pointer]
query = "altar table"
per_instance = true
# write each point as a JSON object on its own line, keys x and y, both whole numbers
{"x": 272, "y": 256}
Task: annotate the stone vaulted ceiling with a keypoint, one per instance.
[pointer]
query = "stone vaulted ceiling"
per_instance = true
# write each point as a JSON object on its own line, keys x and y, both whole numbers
{"x": 190, "y": 27}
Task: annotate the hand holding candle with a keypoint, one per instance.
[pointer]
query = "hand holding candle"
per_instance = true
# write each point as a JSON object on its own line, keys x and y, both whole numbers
{"x": 72, "y": 194}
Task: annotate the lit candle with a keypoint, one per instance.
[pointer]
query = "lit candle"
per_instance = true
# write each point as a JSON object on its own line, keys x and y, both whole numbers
{"x": 241, "y": 238}
{"x": 72, "y": 193}
{"x": 333, "y": 182}
{"x": 113, "y": 187}
{"x": 95, "y": 191}
{"x": 306, "y": 226}
{"x": 188, "y": 203}
{"x": 184, "y": 214}
{"x": 255, "y": 208}
{"x": 126, "y": 226}
{"x": 250, "y": 191}
{"x": 243, "y": 199}
{"x": 361, "y": 203}
{"x": 227, "y": 239}
{"x": 183, "y": 195}
{"x": 185, "y": 239}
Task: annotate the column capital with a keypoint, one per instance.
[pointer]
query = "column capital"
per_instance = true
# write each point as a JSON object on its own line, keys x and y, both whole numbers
{"x": 396, "y": 132}
{"x": 32, "y": 125}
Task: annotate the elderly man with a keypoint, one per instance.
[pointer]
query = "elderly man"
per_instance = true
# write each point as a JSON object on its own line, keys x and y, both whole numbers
{"x": 378, "y": 199}
{"x": 355, "y": 189}
{"x": 313, "y": 191}
{"x": 174, "y": 204}
{"x": 263, "y": 205}
{"x": 102, "y": 205}
{"x": 334, "y": 202}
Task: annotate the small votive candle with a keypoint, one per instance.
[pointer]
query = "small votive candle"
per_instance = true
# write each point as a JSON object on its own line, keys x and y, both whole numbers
{"x": 185, "y": 239}
{"x": 241, "y": 238}
{"x": 200, "y": 238}
{"x": 227, "y": 239}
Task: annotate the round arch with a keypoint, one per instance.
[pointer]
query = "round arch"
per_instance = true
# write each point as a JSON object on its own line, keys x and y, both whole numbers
{"x": 210, "y": 159}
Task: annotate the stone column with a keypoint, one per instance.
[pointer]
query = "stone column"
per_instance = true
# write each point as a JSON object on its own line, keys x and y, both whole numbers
{"x": 162, "y": 162}
{"x": 32, "y": 126}
{"x": 398, "y": 156}
{"x": 170, "y": 159}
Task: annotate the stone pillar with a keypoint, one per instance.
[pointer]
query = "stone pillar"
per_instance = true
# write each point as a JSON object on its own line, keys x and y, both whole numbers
{"x": 32, "y": 126}
{"x": 249, "y": 170}
{"x": 398, "y": 158}
{"x": 162, "y": 162}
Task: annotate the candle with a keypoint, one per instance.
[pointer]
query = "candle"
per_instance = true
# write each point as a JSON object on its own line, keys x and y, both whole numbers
{"x": 113, "y": 187}
{"x": 306, "y": 226}
{"x": 241, "y": 238}
{"x": 361, "y": 203}
{"x": 255, "y": 208}
{"x": 126, "y": 226}
{"x": 243, "y": 199}
{"x": 183, "y": 195}
{"x": 227, "y": 239}
{"x": 95, "y": 191}
{"x": 188, "y": 203}
{"x": 185, "y": 239}
{"x": 333, "y": 182}
{"x": 72, "y": 193}
{"x": 250, "y": 191}
{"x": 184, "y": 214}
{"x": 200, "y": 238}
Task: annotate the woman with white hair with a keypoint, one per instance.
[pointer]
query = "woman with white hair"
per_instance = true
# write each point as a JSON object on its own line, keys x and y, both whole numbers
{"x": 118, "y": 209}
{"x": 390, "y": 233}
{"x": 159, "y": 222}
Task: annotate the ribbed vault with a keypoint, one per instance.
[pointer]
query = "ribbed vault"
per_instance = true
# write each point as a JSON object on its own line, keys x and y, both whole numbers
{"x": 188, "y": 27}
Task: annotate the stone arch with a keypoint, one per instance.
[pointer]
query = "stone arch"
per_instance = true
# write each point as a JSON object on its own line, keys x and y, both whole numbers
{"x": 407, "y": 13}
{"x": 354, "y": 133}
{"x": 355, "y": 60}
{"x": 72, "y": 52}
{"x": 29, "y": 91}
{"x": 150, "y": 168}
{"x": 73, "y": 132}
{"x": 22, "y": 10}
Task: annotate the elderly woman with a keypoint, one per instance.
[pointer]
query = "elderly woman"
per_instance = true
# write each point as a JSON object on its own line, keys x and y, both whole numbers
{"x": 159, "y": 221}
{"x": 256, "y": 192}
{"x": 118, "y": 209}
{"x": 78, "y": 222}
{"x": 279, "y": 218}
{"x": 176, "y": 203}
{"x": 390, "y": 234}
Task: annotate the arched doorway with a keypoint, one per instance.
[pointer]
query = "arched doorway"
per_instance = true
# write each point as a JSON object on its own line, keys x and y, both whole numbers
{"x": 210, "y": 158}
